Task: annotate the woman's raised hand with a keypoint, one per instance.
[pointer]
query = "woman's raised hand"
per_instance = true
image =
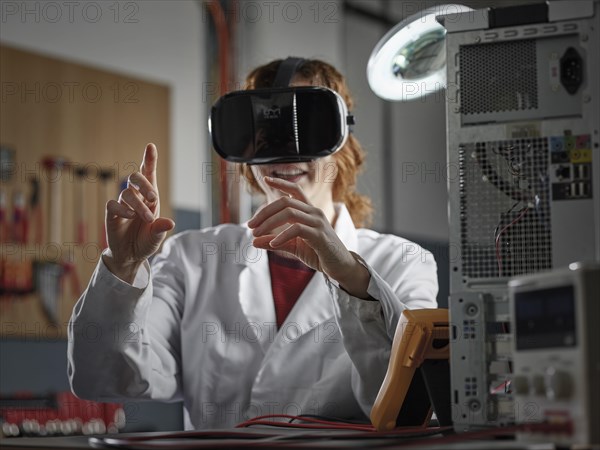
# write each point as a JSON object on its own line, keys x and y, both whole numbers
{"x": 134, "y": 227}
{"x": 307, "y": 235}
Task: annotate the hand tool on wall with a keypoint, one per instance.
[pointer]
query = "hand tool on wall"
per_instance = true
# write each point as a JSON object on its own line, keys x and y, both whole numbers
{"x": 69, "y": 272}
{"x": 16, "y": 277}
{"x": 7, "y": 163}
{"x": 79, "y": 207}
{"x": 47, "y": 283}
{"x": 7, "y": 170}
{"x": 54, "y": 166}
{"x": 20, "y": 223}
{"x": 35, "y": 210}
{"x": 105, "y": 176}
{"x": 3, "y": 220}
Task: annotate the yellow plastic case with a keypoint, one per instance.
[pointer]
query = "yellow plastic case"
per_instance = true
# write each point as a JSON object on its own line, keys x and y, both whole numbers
{"x": 420, "y": 335}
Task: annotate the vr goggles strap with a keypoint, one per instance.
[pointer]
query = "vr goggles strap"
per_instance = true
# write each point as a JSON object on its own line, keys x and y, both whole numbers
{"x": 286, "y": 71}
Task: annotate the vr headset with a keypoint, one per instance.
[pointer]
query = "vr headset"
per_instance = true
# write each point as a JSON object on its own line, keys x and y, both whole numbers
{"x": 279, "y": 124}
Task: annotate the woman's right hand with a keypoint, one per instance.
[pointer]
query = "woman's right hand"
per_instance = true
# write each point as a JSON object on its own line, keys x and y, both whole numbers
{"x": 134, "y": 227}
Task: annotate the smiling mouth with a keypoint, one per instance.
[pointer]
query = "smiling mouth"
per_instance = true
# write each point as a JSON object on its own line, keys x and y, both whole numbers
{"x": 289, "y": 174}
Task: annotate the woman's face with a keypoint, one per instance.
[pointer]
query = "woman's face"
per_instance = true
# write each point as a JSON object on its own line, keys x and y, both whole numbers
{"x": 316, "y": 177}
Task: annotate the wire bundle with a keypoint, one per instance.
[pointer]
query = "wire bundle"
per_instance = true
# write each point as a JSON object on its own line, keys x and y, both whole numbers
{"x": 363, "y": 434}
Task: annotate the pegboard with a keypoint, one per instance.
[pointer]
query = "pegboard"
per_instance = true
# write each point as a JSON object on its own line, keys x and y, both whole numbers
{"x": 78, "y": 132}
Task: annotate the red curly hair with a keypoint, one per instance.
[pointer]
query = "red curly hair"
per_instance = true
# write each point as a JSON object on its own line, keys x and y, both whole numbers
{"x": 349, "y": 159}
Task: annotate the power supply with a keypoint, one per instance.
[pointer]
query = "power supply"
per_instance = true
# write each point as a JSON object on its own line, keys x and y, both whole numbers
{"x": 556, "y": 351}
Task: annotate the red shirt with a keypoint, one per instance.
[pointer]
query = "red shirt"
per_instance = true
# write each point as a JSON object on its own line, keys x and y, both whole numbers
{"x": 289, "y": 277}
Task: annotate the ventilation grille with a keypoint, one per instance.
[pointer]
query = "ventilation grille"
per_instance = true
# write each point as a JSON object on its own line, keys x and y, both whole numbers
{"x": 504, "y": 208}
{"x": 498, "y": 77}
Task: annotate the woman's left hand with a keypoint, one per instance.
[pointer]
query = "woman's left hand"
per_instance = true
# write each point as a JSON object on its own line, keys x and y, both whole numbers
{"x": 309, "y": 237}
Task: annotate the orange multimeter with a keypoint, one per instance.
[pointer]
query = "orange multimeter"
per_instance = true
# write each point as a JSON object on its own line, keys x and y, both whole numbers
{"x": 418, "y": 375}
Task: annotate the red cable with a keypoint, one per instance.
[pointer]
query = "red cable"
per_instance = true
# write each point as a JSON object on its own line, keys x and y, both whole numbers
{"x": 321, "y": 424}
{"x": 218, "y": 16}
{"x": 252, "y": 440}
{"x": 501, "y": 388}
{"x": 259, "y": 420}
{"x": 147, "y": 441}
{"x": 304, "y": 425}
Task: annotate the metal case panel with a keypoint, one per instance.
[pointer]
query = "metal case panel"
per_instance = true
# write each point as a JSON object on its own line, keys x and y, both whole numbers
{"x": 523, "y": 181}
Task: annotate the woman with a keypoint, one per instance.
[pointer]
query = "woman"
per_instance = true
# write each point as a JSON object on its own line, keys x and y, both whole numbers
{"x": 235, "y": 320}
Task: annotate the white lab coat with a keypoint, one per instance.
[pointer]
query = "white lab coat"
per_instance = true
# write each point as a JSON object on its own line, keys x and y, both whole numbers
{"x": 201, "y": 328}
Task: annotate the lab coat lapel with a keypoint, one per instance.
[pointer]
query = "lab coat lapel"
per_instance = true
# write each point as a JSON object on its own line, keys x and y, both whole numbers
{"x": 256, "y": 297}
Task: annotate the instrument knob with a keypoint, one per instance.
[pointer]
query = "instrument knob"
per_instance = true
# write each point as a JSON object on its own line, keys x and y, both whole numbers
{"x": 559, "y": 384}
{"x": 520, "y": 384}
{"x": 539, "y": 385}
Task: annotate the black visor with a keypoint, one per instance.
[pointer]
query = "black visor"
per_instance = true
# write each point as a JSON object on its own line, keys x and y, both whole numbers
{"x": 279, "y": 124}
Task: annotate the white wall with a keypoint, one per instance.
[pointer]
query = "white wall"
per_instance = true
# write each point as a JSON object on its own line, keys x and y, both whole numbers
{"x": 161, "y": 41}
{"x": 419, "y": 162}
{"x": 408, "y": 178}
{"x": 361, "y": 37}
{"x": 277, "y": 29}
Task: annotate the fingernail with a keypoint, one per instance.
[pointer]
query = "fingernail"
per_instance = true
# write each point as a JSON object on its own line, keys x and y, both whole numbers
{"x": 149, "y": 217}
{"x": 151, "y": 196}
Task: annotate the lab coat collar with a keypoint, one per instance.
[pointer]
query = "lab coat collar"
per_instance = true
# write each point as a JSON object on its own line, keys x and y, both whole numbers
{"x": 312, "y": 308}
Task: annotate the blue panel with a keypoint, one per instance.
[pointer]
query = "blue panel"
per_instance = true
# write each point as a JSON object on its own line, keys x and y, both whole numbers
{"x": 38, "y": 367}
{"x": 186, "y": 219}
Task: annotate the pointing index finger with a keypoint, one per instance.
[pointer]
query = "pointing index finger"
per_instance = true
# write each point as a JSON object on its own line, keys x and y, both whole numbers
{"x": 148, "y": 167}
